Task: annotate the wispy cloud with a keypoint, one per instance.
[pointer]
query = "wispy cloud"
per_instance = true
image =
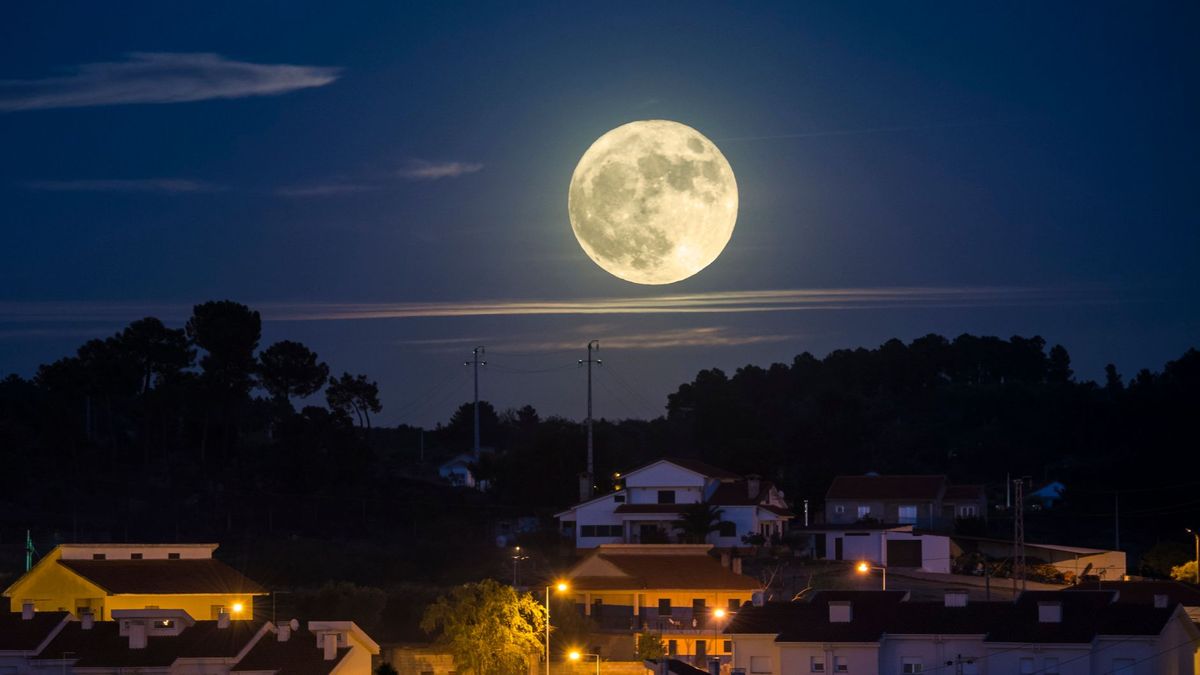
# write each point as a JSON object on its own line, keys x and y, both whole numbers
{"x": 334, "y": 189}
{"x": 164, "y": 185}
{"x": 730, "y": 302}
{"x": 155, "y": 77}
{"x": 419, "y": 169}
{"x": 612, "y": 336}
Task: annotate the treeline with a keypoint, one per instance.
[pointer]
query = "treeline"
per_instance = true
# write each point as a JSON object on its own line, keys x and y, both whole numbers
{"x": 158, "y": 433}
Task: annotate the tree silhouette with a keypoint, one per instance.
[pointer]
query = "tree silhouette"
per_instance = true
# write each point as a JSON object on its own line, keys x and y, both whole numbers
{"x": 355, "y": 394}
{"x": 696, "y": 521}
{"x": 228, "y": 332}
{"x": 287, "y": 369}
{"x": 160, "y": 351}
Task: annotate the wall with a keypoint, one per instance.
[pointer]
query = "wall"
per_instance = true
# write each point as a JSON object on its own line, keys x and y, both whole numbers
{"x": 796, "y": 658}
{"x": 598, "y": 512}
{"x": 933, "y": 650}
{"x": 1003, "y": 658}
{"x": 746, "y": 647}
{"x": 413, "y": 660}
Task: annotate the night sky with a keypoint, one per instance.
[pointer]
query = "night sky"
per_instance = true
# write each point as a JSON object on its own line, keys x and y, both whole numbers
{"x": 387, "y": 183}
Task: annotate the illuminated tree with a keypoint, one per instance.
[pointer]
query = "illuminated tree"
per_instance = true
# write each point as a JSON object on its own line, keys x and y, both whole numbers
{"x": 489, "y": 627}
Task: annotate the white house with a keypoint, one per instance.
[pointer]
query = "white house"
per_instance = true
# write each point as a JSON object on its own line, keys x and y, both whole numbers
{"x": 645, "y": 509}
{"x": 891, "y": 545}
{"x": 874, "y": 632}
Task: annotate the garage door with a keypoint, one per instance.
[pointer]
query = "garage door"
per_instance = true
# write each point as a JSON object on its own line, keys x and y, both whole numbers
{"x": 904, "y": 553}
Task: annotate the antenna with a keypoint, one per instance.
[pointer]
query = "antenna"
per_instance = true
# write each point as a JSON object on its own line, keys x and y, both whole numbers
{"x": 586, "y": 493}
{"x": 29, "y": 551}
{"x": 1018, "y": 571}
{"x": 475, "y": 354}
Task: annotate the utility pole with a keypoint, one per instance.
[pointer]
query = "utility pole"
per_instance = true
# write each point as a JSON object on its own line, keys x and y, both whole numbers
{"x": 1018, "y": 534}
{"x": 475, "y": 354}
{"x": 594, "y": 345}
{"x": 1117, "y": 520}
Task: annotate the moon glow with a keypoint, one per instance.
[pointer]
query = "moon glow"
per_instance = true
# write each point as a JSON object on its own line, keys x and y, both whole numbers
{"x": 653, "y": 202}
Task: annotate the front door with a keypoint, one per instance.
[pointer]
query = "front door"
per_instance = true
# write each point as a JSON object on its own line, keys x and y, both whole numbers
{"x": 699, "y": 615}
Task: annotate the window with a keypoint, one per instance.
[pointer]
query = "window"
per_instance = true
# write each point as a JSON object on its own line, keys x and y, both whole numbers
{"x": 816, "y": 664}
{"x": 839, "y": 508}
{"x": 620, "y": 499}
{"x": 98, "y": 556}
{"x": 1026, "y": 665}
{"x": 701, "y": 648}
{"x": 135, "y": 556}
{"x": 664, "y": 607}
{"x": 672, "y": 647}
{"x": 734, "y": 604}
{"x": 587, "y": 531}
{"x": 864, "y": 512}
{"x": 215, "y": 611}
{"x": 172, "y": 556}
{"x": 840, "y": 665}
{"x": 666, "y": 496}
{"x": 1122, "y": 667}
{"x": 907, "y": 515}
{"x": 760, "y": 664}
{"x": 910, "y": 664}
{"x": 1050, "y": 665}
{"x": 727, "y": 646}
{"x": 727, "y": 529}
{"x": 968, "y": 511}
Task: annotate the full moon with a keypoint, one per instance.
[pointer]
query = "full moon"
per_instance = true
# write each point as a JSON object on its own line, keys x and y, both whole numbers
{"x": 653, "y": 202}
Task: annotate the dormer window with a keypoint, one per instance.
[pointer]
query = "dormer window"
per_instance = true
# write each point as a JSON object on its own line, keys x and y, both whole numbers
{"x": 172, "y": 556}
{"x": 135, "y": 556}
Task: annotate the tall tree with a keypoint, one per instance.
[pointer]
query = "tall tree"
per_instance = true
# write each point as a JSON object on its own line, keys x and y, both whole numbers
{"x": 228, "y": 332}
{"x": 355, "y": 394}
{"x": 696, "y": 521}
{"x": 489, "y": 627}
{"x": 1059, "y": 365}
{"x": 288, "y": 369}
{"x": 161, "y": 352}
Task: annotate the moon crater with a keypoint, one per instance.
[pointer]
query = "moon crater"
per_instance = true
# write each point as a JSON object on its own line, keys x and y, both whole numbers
{"x": 653, "y": 202}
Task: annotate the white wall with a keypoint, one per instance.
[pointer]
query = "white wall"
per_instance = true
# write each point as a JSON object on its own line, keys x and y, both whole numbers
{"x": 933, "y": 650}
{"x": 743, "y": 517}
{"x": 598, "y": 512}
{"x": 795, "y": 658}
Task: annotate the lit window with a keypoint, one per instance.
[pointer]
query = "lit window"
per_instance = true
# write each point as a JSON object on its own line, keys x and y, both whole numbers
{"x": 864, "y": 512}
{"x": 816, "y": 664}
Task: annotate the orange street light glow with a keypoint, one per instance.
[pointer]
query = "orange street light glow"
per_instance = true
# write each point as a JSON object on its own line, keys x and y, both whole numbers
{"x": 719, "y": 613}
{"x": 574, "y": 655}
{"x": 238, "y": 607}
{"x": 863, "y": 568}
{"x": 561, "y": 586}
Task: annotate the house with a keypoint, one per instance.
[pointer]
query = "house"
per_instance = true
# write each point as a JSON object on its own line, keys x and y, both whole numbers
{"x": 98, "y": 579}
{"x": 891, "y": 544}
{"x": 927, "y": 501}
{"x": 680, "y": 591}
{"x": 1072, "y": 562}
{"x": 647, "y": 506}
{"x": 170, "y": 642}
{"x": 872, "y": 632}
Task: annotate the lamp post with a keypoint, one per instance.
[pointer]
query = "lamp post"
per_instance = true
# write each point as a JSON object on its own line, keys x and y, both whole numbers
{"x": 1196, "y": 536}
{"x": 575, "y": 655}
{"x": 865, "y": 568}
{"x": 560, "y": 587}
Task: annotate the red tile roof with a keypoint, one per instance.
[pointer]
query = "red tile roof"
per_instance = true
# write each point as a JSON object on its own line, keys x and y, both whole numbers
{"x": 299, "y": 655}
{"x": 25, "y": 635}
{"x": 103, "y": 646}
{"x": 155, "y": 577}
{"x": 666, "y": 571}
{"x": 886, "y": 487}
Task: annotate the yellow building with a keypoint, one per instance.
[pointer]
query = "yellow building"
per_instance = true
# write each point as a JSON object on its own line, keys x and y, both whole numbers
{"x": 679, "y": 591}
{"x": 100, "y": 578}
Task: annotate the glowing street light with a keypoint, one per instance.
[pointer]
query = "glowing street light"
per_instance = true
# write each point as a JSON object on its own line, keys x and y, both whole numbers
{"x": 575, "y": 655}
{"x": 865, "y": 568}
{"x": 238, "y": 607}
{"x": 719, "y": 613}
{"x": 561, "y": 587}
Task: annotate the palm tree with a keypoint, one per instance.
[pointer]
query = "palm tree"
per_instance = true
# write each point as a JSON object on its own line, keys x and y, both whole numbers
{"x": 697, "y": 520}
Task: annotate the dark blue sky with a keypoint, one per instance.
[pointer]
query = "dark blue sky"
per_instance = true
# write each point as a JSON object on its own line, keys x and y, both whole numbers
{"x": 1032, "y": 170}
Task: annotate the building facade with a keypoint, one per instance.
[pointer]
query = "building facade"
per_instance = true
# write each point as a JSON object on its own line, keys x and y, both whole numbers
{"x": 646, "y": 507}
{"x": 929, "y": 502}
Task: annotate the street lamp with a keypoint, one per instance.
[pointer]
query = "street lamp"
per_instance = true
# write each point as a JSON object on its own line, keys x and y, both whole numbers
{"x": 575, "y": 655}
{"x": 865, "y": 568}
{"x": 561, "y": 587}
{"x": 1196, "y": 535}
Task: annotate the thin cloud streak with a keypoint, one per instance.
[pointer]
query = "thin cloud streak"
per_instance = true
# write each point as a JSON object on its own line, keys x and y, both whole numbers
{"x": 157, "y": 77}
{"x": 730, "y": 302}
{"x": 323, "y": 190}
{"x": 163, "y": 185}
{"x": 857, "y": 132}
{"x": 422, "y": 170}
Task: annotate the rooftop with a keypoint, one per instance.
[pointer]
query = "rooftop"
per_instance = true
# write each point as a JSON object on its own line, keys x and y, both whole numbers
{"x": 153, "y": 577}
{"x": 26, "y": 635}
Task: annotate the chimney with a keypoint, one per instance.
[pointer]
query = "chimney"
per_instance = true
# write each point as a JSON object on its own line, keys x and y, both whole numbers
{"x": 223, "y": 619}
{"x": 753, "y": 485}
{"x": 87, "y": 621}
{"x": 714, "y": 667}
{"x": 840, "y": 611}
{"x": 585, "y": 486}
{"x": 726, "y": 559}
{"x": 1160, "y": 600}
{"x": 27, "y": 611}
{"x": 736, "y": 566}
{"x": 1049, "y": 612}
{"x": 956, "y": 598}
{"x": 329, "y": 645}
{"x": 137, "y": 635}
{"x": 283, "y": 633}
